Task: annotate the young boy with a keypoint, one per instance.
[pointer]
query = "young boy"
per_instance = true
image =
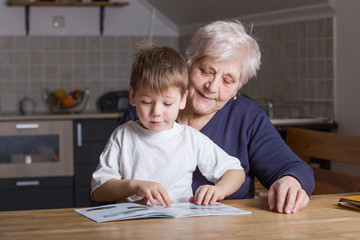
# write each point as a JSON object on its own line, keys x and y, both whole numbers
{"x": 153, "y": 159}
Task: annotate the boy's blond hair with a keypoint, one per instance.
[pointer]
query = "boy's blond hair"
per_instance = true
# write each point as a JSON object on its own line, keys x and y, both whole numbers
{"x": 158, "y": 69}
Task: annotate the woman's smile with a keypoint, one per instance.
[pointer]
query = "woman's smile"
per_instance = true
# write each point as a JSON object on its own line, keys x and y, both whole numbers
{"x": 204, "y": 97}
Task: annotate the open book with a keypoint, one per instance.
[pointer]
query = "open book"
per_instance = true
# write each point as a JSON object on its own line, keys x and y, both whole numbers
{"x": 350, "y": 202}
{"x": 123, "y": 211}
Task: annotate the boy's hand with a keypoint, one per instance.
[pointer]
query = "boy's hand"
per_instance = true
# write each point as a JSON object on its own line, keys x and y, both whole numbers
{"x": 152, "y": 191}
{"x": 207, "y": 194}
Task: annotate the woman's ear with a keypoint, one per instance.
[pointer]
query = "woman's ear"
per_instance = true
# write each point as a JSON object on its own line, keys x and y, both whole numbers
{"x": 131, "y": 96}
{"x": 183, "y": 100}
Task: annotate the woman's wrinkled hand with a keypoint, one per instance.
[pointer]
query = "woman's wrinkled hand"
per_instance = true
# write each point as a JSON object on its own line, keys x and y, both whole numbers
{"x": 286, "y": 196}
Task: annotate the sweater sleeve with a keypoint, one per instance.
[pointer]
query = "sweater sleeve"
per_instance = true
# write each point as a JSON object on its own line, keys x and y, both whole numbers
{"x": 272, "y": 159}
{"x": 129, "y": 114}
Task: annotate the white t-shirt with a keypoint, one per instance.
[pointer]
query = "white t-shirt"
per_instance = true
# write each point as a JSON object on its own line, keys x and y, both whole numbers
{"x": 168, "y": 157}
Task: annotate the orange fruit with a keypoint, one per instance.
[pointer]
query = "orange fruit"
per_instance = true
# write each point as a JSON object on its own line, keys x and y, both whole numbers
{"x": 68, "y": 101}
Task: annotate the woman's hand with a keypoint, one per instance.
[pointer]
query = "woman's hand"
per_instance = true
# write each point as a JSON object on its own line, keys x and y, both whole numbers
{"x": 207, "y": 194}
{"x": 152, "y": 191}
{"x": 286, "y": 196}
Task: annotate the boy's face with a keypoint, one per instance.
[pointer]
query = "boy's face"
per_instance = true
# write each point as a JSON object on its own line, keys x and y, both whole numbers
{"x": 157, "y": 112}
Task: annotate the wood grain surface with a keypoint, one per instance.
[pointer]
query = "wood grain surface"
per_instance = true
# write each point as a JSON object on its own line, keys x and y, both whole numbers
{"x": 322, "y": 219}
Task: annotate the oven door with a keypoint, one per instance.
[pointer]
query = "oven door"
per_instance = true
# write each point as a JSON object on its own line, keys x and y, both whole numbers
{"x": 36, "y": 149}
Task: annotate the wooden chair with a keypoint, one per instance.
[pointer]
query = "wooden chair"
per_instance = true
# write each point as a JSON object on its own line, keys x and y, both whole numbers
{"x": 334, "y": 147}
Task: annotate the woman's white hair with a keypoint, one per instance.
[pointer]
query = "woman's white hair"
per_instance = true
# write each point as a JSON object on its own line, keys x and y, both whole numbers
{"x": 225, "y": 40}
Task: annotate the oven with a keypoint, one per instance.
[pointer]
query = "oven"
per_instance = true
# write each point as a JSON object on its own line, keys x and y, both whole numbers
{"x": 36, "y": 164}
{"x": 36, "y": 149}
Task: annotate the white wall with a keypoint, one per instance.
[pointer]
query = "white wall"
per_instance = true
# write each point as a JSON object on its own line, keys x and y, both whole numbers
{"x": 347, "y": 70}
{"x": 133, "y": 20}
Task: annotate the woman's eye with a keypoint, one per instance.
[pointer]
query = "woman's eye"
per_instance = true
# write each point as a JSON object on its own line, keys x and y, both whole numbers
{"x": 205, "y": 72}
{"x": 167, "y": 104}
{"x": 227, "y": 81}
{"x": 145, "y": 102}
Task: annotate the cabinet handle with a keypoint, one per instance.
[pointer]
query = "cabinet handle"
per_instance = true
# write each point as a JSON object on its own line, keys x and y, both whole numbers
{"x": 26, "y": 125}
{"x": 27, "y": 183}
{"x": 79, "y": 134}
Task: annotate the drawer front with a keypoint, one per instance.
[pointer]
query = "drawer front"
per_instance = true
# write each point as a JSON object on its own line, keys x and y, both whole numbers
{"x": 36, "y": 199}
{"x": 36, "y": 193}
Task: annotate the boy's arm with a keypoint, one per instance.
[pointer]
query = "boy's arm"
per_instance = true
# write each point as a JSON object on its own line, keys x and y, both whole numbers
{"x": 115, "y": 190}
{"x": 229, "y": 183}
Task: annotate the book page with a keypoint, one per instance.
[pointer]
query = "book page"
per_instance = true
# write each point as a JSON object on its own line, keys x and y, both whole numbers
{"x": 123, "y": 211}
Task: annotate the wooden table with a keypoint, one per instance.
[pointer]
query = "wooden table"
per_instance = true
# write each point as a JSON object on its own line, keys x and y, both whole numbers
{"x": 322, "y": 219}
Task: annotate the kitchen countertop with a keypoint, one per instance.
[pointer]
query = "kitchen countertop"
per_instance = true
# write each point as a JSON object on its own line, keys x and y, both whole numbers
{"x": 280, "y": 123}
{"x": 52, "y": 116}
{"x": 287, "y": 121}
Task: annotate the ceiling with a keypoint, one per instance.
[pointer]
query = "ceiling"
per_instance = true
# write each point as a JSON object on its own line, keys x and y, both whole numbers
{"x": 189, "y": 12}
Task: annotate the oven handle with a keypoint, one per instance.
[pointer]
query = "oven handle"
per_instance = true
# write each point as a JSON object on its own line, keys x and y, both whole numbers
{"x": 27, "y": 183}
{"x": 79, "y": 134}
{"x": 27, "y": 125}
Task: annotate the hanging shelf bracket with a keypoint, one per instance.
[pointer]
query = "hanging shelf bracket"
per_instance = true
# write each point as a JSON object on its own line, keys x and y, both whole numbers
{"x": 102, "y": 16}
{"x": 101, "y": 5}
{"x": 27, "y": 17}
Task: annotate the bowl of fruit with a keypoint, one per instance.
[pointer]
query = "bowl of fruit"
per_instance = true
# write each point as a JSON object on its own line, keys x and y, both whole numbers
{"x": 60, "y": 101}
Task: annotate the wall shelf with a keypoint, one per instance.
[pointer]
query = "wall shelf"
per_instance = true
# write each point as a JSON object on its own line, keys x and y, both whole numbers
{"x": 100, "y": 4}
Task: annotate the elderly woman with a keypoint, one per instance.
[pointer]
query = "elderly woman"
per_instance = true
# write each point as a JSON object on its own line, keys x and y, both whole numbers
{"x": 221, "y": 58}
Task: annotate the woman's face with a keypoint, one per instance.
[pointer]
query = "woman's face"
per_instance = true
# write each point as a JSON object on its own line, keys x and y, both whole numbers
{"x": 212, "y": 84}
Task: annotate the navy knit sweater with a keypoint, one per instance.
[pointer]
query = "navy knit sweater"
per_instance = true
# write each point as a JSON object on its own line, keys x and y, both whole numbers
{"x": 244, "y": 131}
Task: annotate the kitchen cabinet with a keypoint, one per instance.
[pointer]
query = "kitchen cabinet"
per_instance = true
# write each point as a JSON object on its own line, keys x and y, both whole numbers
{"x": 90, "y": 138}
{"x": 100, "y": 4}
{"x": 36, "y": 164}
{"x": 36, "y": 193}
{"x": 82, "y": 138}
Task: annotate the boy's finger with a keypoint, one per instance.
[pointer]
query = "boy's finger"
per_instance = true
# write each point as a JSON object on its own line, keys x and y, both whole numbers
{"x": 208, "y": 196}
{"x": 158, "y": 197}
{"x": 165, "y": 197}
{"x": 167, "y": 201}
{"x": 151, "y": 199}
{"x": 199, "y": 196}
{"x": 213, "y": 199}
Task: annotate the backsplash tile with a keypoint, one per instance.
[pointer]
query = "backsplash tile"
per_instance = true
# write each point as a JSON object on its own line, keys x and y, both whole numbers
{"x": 296, "y": 71}
{"x": 30, "y": 64}
{"x": 297, "y": 68}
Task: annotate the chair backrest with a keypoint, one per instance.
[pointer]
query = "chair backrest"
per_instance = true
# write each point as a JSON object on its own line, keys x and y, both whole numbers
{"x": 309, "y": 144}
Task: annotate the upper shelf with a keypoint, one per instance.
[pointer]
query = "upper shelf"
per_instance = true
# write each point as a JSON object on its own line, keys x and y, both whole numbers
{"x": 66, "y": 4}
{"x": 100, "y": 4}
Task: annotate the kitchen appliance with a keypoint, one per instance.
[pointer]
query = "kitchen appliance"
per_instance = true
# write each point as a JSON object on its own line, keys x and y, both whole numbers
{"x": 116, "y": 101}
{"x": 36, "y": 149}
